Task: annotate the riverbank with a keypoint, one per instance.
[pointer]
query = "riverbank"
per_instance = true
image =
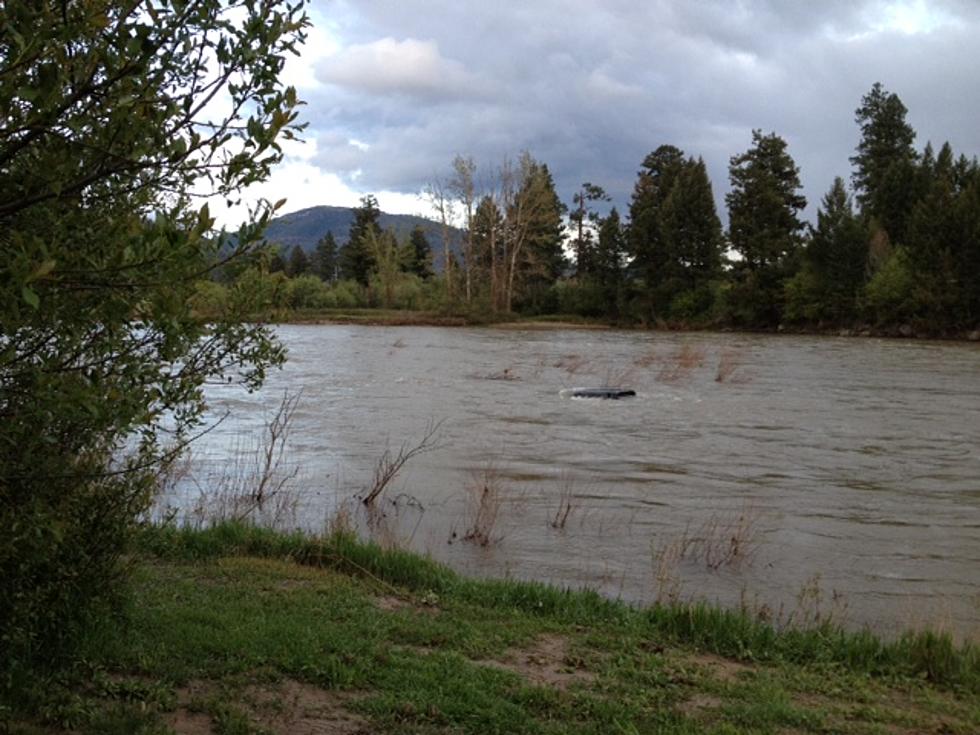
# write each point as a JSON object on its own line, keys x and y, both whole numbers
{"x": 240, "y": 630}
{"x": 407, "y": 318}
{"x": 404, "y": 317}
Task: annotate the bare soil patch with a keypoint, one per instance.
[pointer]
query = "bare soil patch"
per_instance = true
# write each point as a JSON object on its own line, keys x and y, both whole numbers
{"x": 723, "y": 669}
{"x": 284, "y": 708}
{"x": 390, "y": 603}
{"x": 544, "y": 663}
{"x": 699, "y": 703}
{"x": 296, "y": 708}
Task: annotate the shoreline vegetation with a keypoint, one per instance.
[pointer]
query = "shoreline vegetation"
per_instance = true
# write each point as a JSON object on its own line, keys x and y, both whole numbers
{"x": 240, "y": 629}
{"x": 410, "y": 318}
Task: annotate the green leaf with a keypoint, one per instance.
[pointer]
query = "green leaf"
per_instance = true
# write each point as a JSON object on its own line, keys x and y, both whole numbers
{"x": 30, "y": 297}
{"x": 43, "y": 270}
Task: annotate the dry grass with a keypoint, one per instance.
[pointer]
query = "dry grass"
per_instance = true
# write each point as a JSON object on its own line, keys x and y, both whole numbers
{"x": 718, "y": 543}
{"x": 646, "y": 360}
{"x": 814, "y": 607}
{"x": 566, "y": 496}
{"x": 679, "y": 365}
{"x": 258, "y": 483}
{"x": 484, "y": 494}
{"x": 505, "y": 374}
{"x": 729, "y": 362}
{"x": 394, "y": 522}
{"x": 572, "y": 364}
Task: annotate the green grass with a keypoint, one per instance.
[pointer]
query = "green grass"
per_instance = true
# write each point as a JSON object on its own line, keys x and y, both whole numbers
{"x": 250, "y": 631}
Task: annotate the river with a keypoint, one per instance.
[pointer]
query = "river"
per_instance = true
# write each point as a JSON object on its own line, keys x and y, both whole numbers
{"x": 797, "y": 476}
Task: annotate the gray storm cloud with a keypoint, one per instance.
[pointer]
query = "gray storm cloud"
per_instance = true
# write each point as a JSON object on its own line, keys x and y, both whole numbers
{"x": 591, "y": 88}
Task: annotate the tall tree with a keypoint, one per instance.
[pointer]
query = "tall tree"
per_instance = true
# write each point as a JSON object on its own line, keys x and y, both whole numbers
{"x": 386, "y": 257}
{"x": 106, "y": 138}
{"x": 299, "y": 263}
{"x": 488, "y": 244}
{"x": 463, "y": 187}
{"x": 690, "y": 227}
{"x": 647, "y": 245}
{"x": 544, "y": 257}
{"x": 837, "y": 253}
{"x": 967, "y": 254}
{"x": 584, "y": 219}
{"x": 884, "y": 162}
{"x": 934, "y": 237}
{"x": 440, "y": 197}
{"x": 325, "y": 258}
{"x": 607, "y": 262}
{"x": 532, "y": 225}
{"x": 356, "y": 256}
{"x": 419, "y": 254}
{"x": 764, "y": 225}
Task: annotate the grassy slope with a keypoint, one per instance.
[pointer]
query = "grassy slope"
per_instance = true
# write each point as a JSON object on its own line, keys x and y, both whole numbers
{"x": 242, "y": 631}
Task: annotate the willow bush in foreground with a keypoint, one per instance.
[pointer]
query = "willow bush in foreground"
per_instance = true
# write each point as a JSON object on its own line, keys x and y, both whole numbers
{"x": 115, "y": 115}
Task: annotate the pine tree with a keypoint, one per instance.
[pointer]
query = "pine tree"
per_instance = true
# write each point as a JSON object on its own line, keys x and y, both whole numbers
{"x": 690, "y": 227}
{"x": 325, "y": 258}
{"x": 488, "y": 248}
{"x": 541, "y": 258}
{"x": 967, "y": 254}
{"x": 298, "y": 263}
{"x": 647, "y": 246}
{"x": 584, "y": 219}
{"x": 837, "y": 253}
{"x": 607, "y": 262}
{"x": 276, "y": 262}
{"x": 933, "y": 234}
{"x": 356, "y": 258}
{"x": 764, "y": 226}
{"x": 546, "y": 232}
{"x": 885, "y": 161}
{"x": 419, "y": 254}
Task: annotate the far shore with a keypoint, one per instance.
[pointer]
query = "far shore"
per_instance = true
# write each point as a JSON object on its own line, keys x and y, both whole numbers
{"x": 407, "y": 318}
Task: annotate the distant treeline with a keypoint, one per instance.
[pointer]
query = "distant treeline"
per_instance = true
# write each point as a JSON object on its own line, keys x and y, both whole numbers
{"x": 902, "y": 253}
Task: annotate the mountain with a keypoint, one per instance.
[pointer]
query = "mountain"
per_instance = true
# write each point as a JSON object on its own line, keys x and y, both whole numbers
{"x": 307, "y": 226}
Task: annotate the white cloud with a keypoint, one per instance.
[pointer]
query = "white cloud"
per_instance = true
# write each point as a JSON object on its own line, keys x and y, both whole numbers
{"x": 388, "y": 66}
{"x": 303, "y": 183}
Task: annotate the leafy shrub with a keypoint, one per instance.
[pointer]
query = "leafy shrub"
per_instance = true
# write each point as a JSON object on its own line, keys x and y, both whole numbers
{"x": 890, "y": 294}
{"x": 210, "y": 299}
{"x": 308, "y": 292}
{"x": 102, "y": 361}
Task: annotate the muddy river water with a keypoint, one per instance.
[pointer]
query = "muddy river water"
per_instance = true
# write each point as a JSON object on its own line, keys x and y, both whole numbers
{"x": 795, "y": 475}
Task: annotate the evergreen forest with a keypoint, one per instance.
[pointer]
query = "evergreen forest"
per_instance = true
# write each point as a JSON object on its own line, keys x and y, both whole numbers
{"x": 894, "y": 250}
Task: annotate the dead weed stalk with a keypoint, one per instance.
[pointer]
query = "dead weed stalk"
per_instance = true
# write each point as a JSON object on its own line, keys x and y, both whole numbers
{"x": 729, "y": 361}
{"x": 566, "y": 495}
{"x": 484, "y": 499}
{"x": 258, "y": 480}
{"x": 679, "y": 365}
{"x": 719, "y": 542}
{"x": 390, "y": 464}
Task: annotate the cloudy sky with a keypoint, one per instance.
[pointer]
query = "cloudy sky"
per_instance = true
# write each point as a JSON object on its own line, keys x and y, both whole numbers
{"x": 396, "y": 88}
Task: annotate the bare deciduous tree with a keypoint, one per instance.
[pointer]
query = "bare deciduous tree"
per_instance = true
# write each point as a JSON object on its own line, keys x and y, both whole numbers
{"x": 463, "y": 187}
{"x": 440, "y": 199}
